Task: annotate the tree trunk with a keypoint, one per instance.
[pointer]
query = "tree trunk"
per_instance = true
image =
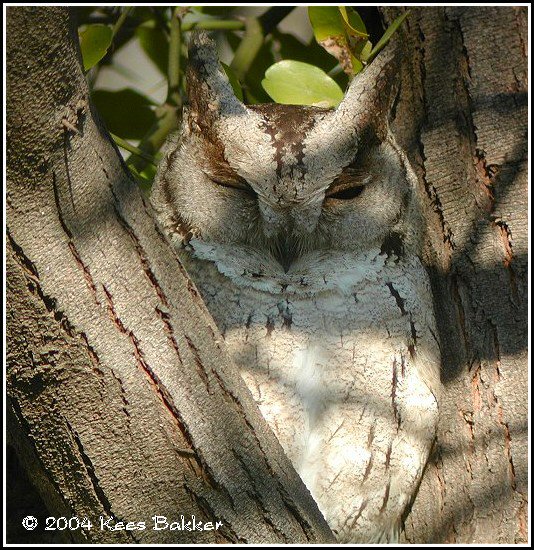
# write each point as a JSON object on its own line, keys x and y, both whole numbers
{"x": 122, "y": 399}
{"x": 462, "y": 117}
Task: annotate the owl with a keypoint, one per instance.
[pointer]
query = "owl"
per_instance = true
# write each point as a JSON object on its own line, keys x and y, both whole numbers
{"x": 301, "y": 228}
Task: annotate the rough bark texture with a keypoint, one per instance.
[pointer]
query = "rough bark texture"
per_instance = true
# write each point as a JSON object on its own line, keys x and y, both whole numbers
{"x": 122, "y": 400}
{"x": 462, "y": 116}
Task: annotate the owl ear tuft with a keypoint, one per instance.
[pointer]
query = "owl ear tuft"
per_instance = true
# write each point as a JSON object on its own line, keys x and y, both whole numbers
{"x": 208, "y": 89}
{"x": 369, "y": 98}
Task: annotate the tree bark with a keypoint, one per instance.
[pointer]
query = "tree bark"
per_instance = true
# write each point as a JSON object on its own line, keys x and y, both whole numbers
{"x": 462, "y": 117}
{"x": 122, "y": 399}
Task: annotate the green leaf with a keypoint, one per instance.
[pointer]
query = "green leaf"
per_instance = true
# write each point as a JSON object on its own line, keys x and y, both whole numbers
{"x": 326, "y": 22}
{"x": 288, "y": 46}
{"x": 94, "y": 43}
{"x": 329, "y": 29}
{"x": 357, "y": 36}
{"x": 234, "y": 81}
{"x": 296, "y": 83}
{"x": 126, "y": 112}
{"x": 156, "y": 45}
{"x": 353, "y": 22}
{"x": 387, "y": 35}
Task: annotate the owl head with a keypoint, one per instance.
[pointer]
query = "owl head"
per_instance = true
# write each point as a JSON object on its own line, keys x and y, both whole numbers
{"x": 285, "y": 180}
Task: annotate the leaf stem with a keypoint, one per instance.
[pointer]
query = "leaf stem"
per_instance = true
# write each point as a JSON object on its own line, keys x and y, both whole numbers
{"x": 248, "y": 48}
{"x": 335, "y": 71}
{"x": 122, "y": 18}
{"x": 268, "y": 21}
{"x": 167, "y": 121}
{"x": 214, "y": 25}
{"x": 132, "y": 149}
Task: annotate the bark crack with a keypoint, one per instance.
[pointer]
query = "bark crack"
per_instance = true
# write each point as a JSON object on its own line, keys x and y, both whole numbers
{"x": 388, "y": 456}
{"x": 412, "y": 347}
{"x": 140, "y": 251}
{"x": 190, "y": 285}
{"x": 239, "y": 408}
{"x": 505, "y": 234}
{"x": 67, "y": 172}
{"x": 257, "y": 499}
{"x": 475, "y": 390}
{"x": 482, "y": 173}
{"x": 441, "y": 480}
{"x": 500, "y": 413}
{"x": 74, "y": 251}
{"x": 209, "y": 512}
{"x": 394, "y": 382}
{"x": 198, "y": 364}
{"x": 457, "y": 299}
{"x": 398, "y": 299}
{"x": 125, "y": 401}
{"x": 435, "y": 201}
{"x": 467, "y": 416}
{"x": 159, "y": 388}
{"x": 34, "y": 286}
{"x": 93, "y": 478}
{"x": 169, "y": 331}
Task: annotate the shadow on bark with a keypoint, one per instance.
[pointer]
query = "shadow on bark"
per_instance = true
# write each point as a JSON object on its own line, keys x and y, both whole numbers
{"x": 488, "y": 285}
{"x": 23, "y": 500}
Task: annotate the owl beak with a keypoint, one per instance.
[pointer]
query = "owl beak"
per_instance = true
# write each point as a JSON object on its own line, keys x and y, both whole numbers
{"x": 285, "y": 257}
{"x": 287, "y": 229}
{"x": 286, "y": 249}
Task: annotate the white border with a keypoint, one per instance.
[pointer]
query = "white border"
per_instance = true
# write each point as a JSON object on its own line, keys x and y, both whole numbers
{"x": 405, "y": 4}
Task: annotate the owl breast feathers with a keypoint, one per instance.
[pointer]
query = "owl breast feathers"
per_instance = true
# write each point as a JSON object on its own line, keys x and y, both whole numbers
{"x": 301, "y": 228}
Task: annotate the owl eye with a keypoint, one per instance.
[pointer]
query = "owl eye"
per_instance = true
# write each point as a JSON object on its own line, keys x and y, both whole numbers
{"x": 239, "y": 185}
{"x": 346, "y": 193}
{"x": 349, "y": 184}
{"x": 346, "y": 189}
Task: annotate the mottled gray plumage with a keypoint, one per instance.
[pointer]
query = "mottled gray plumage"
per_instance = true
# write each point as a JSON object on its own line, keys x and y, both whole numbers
{"x": 301, "y": 228}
